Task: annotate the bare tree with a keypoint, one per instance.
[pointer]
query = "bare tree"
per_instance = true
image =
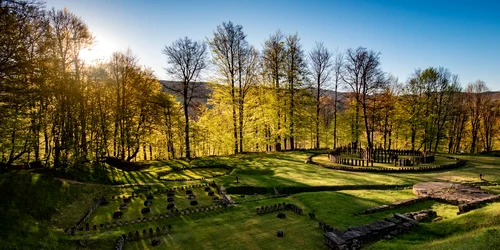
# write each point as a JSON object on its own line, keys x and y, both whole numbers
{"x": 186, "y": 59}
{"x": 337, "y": 72}
{"x": 476, "y": 99}
{"x": 321, "y": 67}
{"x": 490, "y": 120}
{"x": 364, "y": 77}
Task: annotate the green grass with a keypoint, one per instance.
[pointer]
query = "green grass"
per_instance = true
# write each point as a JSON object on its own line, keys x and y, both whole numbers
{"x": 104, "y": 214}
{"x": 478, "y": 229}
{"x": 194, "y": 173}
{"x": 35, "y": 209}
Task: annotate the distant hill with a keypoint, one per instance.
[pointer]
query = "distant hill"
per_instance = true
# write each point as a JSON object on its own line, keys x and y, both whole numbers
{"x": 203, "y": 90}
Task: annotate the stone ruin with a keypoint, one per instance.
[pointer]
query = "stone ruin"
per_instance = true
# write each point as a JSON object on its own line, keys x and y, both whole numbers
{"x": 465, "y": 197}
{"x": 278, "y": 207}
{"x": 386, "y": 228}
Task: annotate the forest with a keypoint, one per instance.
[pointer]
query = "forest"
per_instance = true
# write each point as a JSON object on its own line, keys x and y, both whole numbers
{"x": 225, "y": 96}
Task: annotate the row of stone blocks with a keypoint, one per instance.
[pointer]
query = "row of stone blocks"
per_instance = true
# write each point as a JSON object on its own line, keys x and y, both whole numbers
{"x": 464, "y": 208}
{"x": 145, "y": 234}
{"x": 155, "y": 217}
{"x": 394, "y": 170}
{"x": 355, "y": 236}
{"x": 397, "y": 162}
{"x": 87, "y": 215}
{"x": 278, "y": 207}
{"x": 396, "y": 204}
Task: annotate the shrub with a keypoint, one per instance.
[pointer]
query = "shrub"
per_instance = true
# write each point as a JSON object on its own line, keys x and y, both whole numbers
{"x": 193, "y": 203}
{"x": 145, "y": 210}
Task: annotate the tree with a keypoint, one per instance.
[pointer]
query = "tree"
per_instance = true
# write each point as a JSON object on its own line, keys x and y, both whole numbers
{"x": 364, "y": 76}
{"x": 337, "y": 72}
{"x": 296, "y": 70}
{"x": 24, "y": 53}
{"x": 71, "y": 34}
{"x": 476, "y": 99}
{"x": 274, "y": 59}
{"x": 186, "y": 60}
{"x": 237, "y": 63}
{"x": 321, "y": 67}
{"x": 490, "y": 120}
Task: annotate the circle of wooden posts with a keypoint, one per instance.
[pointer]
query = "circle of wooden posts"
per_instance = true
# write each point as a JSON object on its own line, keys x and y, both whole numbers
{"x": 378, "y": 156}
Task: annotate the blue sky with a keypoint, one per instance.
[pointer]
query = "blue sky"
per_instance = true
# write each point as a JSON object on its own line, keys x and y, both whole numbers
{"x": 463, "y": 36}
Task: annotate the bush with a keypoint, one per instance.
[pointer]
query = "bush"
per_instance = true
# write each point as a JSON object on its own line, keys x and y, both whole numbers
{"x": 150, "y": 197}
{"x": 193, "y": 203}
{"x": 211, "y": 193}
{"x": 170, "y": 199}
{"x": 170, "y": 206}
{"x": 207, "y": 189}
{"x": 189, "y": 191}
{"x": 145, "y": 210}
{"x": 148, "y": 203}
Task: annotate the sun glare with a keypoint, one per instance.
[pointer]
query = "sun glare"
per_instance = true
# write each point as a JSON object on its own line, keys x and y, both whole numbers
{"x": 100, "y": 50}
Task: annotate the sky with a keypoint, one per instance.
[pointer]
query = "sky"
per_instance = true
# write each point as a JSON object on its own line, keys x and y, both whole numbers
{"x": 462, "y": 36}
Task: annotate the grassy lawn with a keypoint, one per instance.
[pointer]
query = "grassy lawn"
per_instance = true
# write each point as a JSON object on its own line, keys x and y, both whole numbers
{"x": 241, "y": 228}
{"x": 53, "y": 206}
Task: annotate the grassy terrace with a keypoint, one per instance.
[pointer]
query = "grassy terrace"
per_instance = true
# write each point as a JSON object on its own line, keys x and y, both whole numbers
{"x": 239, "y": 227}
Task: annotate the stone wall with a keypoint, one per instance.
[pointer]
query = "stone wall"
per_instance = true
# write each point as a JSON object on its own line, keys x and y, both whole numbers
{"x": 386, "y": 228}
{"x": 278, "y": 207}
{"x": 464, "y": 208}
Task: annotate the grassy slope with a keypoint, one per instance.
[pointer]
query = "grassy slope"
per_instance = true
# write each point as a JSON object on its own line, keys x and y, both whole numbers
{"x": 34, "y": 210}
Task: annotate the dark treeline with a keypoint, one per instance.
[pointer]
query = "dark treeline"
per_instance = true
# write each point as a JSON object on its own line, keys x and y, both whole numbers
{"x": 59, "y": 110}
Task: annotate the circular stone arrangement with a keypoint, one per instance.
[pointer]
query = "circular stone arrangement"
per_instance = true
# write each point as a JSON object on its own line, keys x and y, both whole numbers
{"x": 164, "y": 174}
{"x": 366, "y": 157}
{"x": 361, "y": 160}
